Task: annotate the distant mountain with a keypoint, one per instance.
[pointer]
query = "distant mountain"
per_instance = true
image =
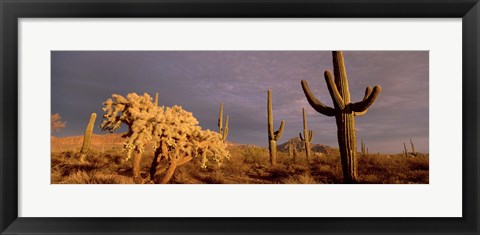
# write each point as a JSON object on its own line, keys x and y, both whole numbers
{"x": 299, "y": 145}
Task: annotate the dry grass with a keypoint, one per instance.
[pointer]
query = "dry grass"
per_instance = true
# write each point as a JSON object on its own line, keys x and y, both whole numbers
{"x": 247, "y": 165}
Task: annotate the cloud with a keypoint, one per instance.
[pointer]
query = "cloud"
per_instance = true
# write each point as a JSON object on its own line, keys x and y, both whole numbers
{"x": 200, "y": 80}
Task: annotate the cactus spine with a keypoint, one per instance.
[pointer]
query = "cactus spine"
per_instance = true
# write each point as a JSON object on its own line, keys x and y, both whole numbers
{"x": 273, "y": 136}
{"x": 87, "y": 137}
{"x": 222, "y": 131}
{"x": 307, "y": 136}
{"x": 344, "y": 112}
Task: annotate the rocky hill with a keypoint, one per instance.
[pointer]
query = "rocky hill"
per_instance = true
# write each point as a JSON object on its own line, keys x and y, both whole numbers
{"x": 299, "y": 145}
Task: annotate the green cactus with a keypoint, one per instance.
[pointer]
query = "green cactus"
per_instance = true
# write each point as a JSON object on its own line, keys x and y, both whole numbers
{"x": 273, "y": 137}
{"x": 87, "y": 137}
{"x": 344, "y": 112}
{"x": 308, "y": 134}
{"x": 222, "y": 131}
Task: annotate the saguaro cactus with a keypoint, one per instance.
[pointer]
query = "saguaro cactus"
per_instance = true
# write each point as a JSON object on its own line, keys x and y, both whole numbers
{"x": 290, "y": 149}
{"x": 273, "y": 136}
{"x": 413, "y": 148}
{"x": 222, "y": 131}
{"x": 406, "y": 151}
{"x": 307, "y": 136}
{"x": 344, "y": 112}
{"x": 87, "y": 137}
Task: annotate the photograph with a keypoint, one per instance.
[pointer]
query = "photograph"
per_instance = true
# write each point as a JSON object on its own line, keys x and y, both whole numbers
{"x": 239, "y": 117}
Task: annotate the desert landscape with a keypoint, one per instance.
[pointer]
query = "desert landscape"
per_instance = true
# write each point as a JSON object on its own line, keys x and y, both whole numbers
{"x": 105, "y": 164}
{"x": 166, "y": 144}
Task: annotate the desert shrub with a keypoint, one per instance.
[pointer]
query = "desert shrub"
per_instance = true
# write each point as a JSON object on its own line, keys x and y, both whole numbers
{"x": 175, "y": 134}
{"x": 93, "y": 177}
{"x": 254, "y": 154}
{"x": 299, "y": 179}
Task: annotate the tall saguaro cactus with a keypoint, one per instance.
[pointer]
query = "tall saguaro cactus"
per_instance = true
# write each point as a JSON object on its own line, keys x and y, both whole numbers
{"x": 273, "y": 136}
{"x": 344, "y": 112}
{"x": 223, "y": 131}
{"x": 307, "y": 136}
{"x": 87, "y": 137}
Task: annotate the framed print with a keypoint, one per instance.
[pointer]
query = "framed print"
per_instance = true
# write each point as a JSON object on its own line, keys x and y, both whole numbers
{"x": 184, "y": 117}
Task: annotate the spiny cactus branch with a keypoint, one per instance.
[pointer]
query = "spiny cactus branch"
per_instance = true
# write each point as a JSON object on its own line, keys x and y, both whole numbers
{"x": 225, "y": 130}
{"x": 278, "y": 134}
{"x": 368, "y": 91}
{"x": 315, "y": 103}
{"x": 332, "y": 89}
{"x": 366, "y": 103}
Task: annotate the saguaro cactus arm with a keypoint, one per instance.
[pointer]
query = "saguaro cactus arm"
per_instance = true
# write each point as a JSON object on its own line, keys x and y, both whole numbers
{"x": 332, "y": 88}
{"x": 279, "y": 132}
{"x": 225, "y": 130}
{"x": 315, "y": 103}
{"x": 366, "y": 103}
{"x": 368, "y": 91}
{"x": 310, "y": 135}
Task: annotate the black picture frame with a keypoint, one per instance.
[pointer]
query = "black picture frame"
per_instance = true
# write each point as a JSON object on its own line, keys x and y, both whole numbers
{"x": 12, "y": 10}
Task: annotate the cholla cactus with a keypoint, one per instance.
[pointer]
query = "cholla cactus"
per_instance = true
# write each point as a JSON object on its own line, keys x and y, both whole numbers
{"x": 180, "y": 139}
{"x": 136, "y": 112}
{"x": 175, "y": 133}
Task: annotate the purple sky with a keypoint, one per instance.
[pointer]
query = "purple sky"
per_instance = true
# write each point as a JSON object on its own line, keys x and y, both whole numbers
{"x": 200, "y": 80}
